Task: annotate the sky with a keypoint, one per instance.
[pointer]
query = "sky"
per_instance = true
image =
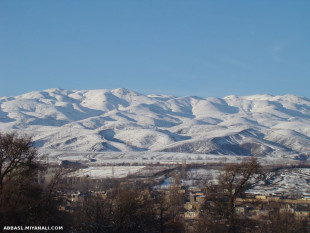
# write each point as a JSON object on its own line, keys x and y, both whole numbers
{"x": 174, "y": 47}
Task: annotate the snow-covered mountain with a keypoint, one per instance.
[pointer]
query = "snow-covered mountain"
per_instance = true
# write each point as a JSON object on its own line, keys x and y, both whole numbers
{"x": 123, "y": 120}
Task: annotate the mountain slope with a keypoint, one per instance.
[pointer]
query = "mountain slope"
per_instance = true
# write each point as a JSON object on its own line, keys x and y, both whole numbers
{"x": 123, "y": 120}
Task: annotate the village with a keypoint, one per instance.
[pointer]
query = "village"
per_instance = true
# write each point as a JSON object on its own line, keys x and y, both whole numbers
{"x": 194, "y": 198}
{"x": 187, "y": 200}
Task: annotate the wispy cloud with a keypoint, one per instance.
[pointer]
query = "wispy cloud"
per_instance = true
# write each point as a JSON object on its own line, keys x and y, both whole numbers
{"x": 276, "y": 52}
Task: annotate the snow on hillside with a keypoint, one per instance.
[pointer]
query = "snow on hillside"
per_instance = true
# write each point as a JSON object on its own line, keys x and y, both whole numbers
{"x": 121, "y": 120}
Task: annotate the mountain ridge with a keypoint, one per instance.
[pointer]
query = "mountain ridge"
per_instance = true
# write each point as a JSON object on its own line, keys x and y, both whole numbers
{"x": 124, "y": 120}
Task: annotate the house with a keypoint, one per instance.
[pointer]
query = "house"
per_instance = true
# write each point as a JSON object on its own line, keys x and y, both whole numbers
{"x": 191, "y": 214}
{"x": 302, "y": 214}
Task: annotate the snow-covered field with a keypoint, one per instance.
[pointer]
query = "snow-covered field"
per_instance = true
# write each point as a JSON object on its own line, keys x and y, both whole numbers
{"x": 147, "y": 164}
{"x": 107, "y": 171}
{"x": 294, "y": 181}
{"x": 145, "y": 158}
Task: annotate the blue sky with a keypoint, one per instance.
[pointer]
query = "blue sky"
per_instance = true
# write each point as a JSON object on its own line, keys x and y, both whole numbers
{"x": 177, "y": 47}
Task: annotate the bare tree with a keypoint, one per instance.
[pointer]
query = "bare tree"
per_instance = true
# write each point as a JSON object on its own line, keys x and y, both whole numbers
{"x": 232, "y": 183}
{"x": 17, "y": 155}
{"x": 22, "y": 199}
{"x": 121, "y": 210}
{"x": 286, "y": 222}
